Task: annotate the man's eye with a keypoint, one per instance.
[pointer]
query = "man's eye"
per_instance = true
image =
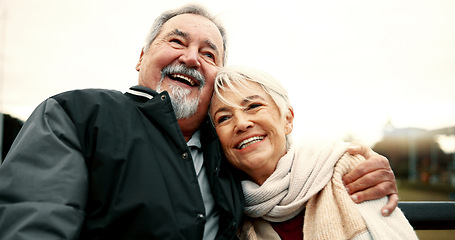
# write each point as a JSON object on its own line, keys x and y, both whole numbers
{"x": 176, "y": 41}
{"x": 209, "y": 55}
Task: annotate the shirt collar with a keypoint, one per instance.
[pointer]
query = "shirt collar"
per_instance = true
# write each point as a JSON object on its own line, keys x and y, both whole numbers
{"x": 195, "y": 140}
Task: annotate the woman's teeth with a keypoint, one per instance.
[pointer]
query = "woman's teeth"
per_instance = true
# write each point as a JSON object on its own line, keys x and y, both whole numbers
{"x": 247, "y": 142}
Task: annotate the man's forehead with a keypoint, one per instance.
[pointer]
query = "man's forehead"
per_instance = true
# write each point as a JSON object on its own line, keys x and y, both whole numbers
{"x": 190, "y": 19}
{"x": 193, "y": 24}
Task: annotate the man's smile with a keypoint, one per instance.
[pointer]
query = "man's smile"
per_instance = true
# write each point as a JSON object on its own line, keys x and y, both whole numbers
{"x": 180, "y": 73}
{"x": 183, "y": 79}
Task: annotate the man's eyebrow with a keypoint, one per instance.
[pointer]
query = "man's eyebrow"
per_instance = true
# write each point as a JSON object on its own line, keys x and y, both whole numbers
{"x": 177, "y": 32}
{"x": 212, "y": 46}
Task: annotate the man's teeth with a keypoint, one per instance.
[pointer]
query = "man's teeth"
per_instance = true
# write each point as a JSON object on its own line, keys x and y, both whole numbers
{"x": 247, "y": 142}
{"x": 191, "y": 82}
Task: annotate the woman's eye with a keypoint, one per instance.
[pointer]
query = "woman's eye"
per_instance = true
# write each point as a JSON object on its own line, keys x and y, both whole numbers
{"x": 254, "y": 105}
{"x": 222, "y": 119}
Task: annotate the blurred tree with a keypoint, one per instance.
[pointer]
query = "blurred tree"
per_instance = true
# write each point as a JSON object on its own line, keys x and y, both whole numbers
{"x": 11, "y": 127}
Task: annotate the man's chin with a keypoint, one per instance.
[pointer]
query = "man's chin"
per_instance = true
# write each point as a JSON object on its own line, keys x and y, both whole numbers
{"x": 184, "y": 108}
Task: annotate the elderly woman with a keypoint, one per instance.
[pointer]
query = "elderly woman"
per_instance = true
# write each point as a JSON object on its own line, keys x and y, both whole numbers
{"x": 292, "y": 191}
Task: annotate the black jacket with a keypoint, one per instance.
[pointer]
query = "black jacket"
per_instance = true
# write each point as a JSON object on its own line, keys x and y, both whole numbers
{"x": 99, "y": 164}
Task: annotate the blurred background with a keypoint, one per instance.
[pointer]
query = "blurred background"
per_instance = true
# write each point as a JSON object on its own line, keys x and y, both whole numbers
{"x": 380, "y": 72}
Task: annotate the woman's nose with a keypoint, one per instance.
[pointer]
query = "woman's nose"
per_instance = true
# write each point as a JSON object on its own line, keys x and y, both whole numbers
{"x": 243, "y": 123}
{"x": 190, "y": 57}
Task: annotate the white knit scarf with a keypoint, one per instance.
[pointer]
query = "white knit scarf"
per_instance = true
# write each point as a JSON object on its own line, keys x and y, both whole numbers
{"x": 301, "y": 173}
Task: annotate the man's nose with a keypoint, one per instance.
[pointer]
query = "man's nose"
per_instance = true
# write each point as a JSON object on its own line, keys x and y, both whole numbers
{"x": 190, "y": 57}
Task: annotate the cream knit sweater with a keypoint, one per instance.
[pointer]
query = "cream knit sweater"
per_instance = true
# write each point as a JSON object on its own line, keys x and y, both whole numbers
{"x": 331, "y": 214}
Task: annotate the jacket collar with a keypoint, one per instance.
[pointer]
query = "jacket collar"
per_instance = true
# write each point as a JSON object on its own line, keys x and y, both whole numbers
{"x": 143, "y": 94}
{"x": 141, "y": 91}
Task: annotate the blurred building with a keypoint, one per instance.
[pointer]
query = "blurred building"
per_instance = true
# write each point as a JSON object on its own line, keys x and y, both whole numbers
{"x": 420, "y": 154}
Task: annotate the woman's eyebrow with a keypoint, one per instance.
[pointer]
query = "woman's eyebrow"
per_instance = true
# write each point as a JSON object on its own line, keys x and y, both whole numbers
{"x": 249, "y": 98}
{"x": 245, "y": 101}
{"x": 223, "y": 109}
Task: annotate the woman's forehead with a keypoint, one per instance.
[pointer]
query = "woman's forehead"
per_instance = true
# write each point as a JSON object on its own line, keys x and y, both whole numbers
{"x": 239, "y": 96}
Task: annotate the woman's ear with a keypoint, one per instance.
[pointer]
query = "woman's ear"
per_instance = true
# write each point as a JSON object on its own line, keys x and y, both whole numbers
{"x": 289, "y": 121}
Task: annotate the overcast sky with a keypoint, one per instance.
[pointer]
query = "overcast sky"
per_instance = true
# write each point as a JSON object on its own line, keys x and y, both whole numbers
{"x": 349, "y": 66}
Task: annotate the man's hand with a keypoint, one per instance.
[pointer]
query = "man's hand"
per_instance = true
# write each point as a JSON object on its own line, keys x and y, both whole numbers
{"x": 372, "y": 179}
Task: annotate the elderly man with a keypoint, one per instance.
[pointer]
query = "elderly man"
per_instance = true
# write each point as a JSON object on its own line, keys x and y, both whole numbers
{"x": 146, "y": 164}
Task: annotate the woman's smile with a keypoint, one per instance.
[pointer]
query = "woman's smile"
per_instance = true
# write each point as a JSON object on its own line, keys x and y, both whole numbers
{"x": 250, "y": 141}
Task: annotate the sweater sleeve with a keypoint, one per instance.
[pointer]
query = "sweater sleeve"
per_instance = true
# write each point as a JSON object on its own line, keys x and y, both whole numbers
{"x": 395, "y": 226}
{"x": 43, "y": 180}
{"x": 331, "y": 214}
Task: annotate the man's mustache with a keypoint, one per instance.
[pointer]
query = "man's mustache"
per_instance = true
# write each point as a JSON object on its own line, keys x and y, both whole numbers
{"x": 182, "y": 69}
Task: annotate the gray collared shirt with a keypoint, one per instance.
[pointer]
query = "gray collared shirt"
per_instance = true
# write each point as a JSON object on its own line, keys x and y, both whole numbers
{"x": 211, "y": 226}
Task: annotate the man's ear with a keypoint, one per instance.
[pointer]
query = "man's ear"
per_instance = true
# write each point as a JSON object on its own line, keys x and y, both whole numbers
{"x": 289, "y": 121}
{"x": 138, "y": 65}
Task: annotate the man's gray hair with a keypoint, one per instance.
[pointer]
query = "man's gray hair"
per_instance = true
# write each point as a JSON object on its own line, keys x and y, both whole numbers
{"x": 187, "y": 9}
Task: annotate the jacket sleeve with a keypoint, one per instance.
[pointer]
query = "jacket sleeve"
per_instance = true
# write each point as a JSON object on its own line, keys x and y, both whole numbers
{"x": 43, "y": 180}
